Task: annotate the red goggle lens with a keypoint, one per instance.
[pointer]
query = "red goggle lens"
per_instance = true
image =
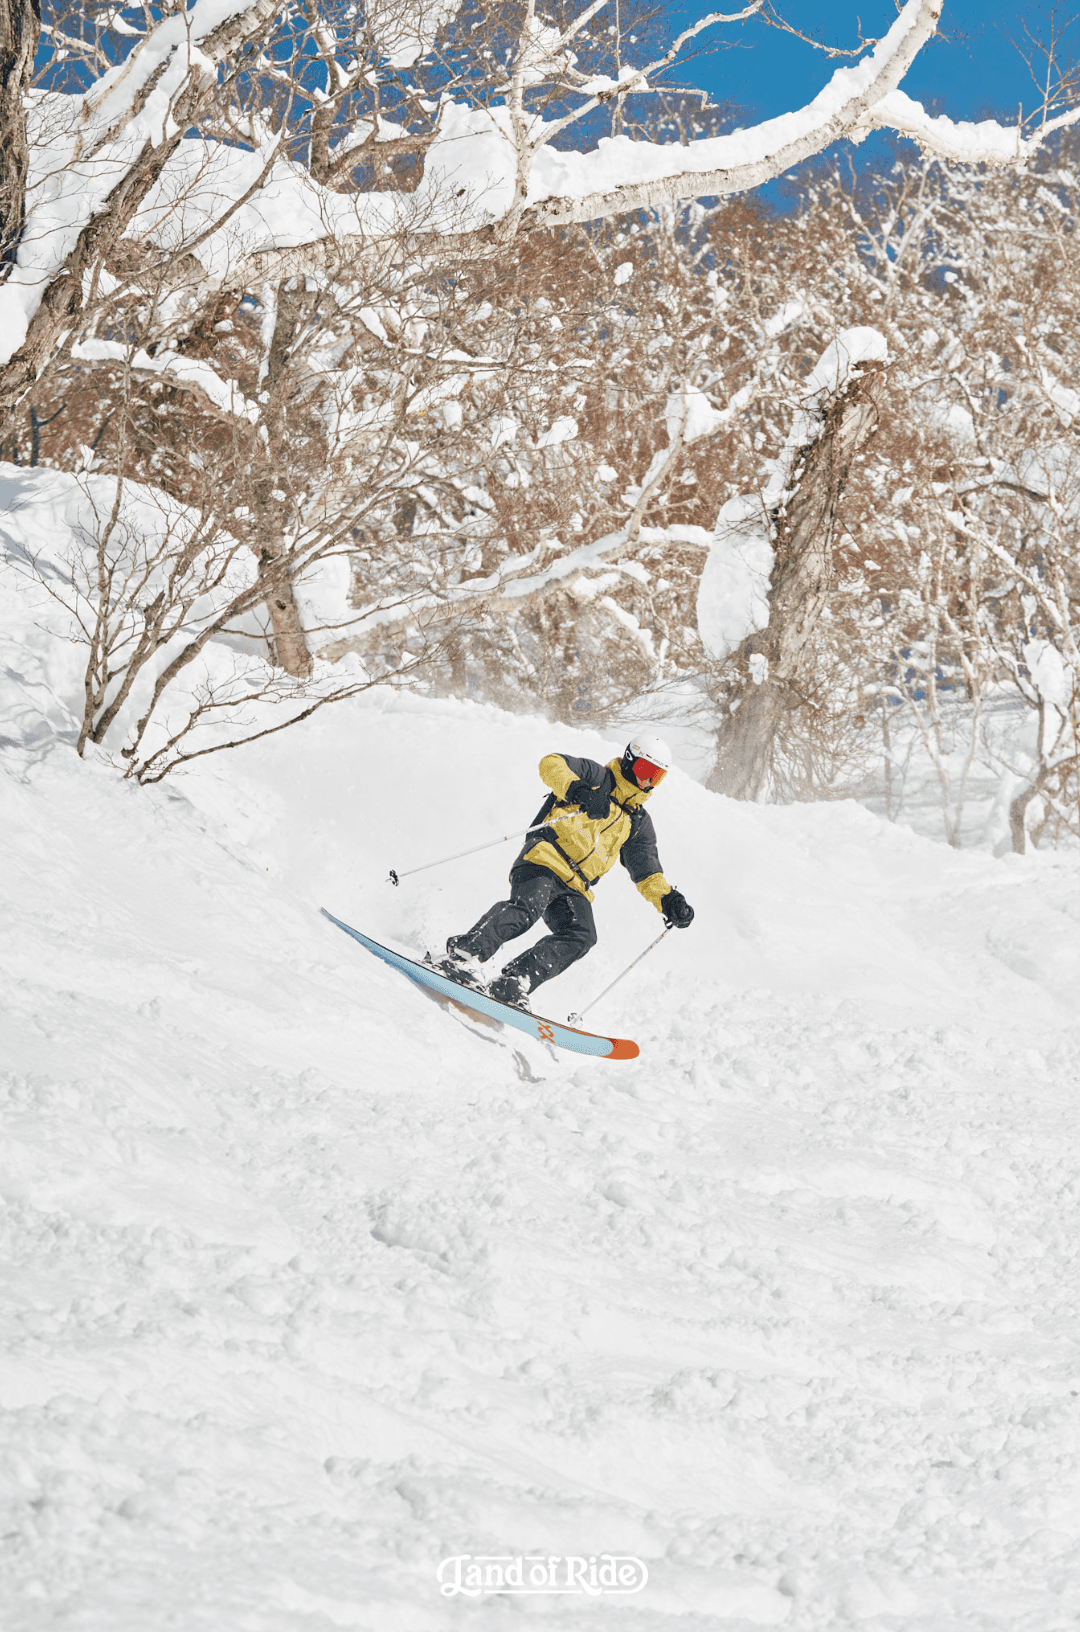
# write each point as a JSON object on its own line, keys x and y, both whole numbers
{"x": 647, "y": 774}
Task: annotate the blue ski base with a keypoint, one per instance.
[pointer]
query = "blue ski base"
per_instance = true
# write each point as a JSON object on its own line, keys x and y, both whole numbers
{"x": 547, "y": 1031}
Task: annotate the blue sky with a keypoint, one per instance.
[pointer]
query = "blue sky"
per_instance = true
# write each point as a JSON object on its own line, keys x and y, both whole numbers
{"x": 970, "y": 72}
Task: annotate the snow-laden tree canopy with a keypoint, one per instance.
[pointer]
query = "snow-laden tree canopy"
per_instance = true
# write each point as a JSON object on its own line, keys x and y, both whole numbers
{"x": 319, "y": 273}
{"x": 248, "y": 135}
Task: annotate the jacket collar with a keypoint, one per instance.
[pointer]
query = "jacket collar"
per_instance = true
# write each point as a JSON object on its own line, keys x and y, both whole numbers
{"x": 627, "y": 793}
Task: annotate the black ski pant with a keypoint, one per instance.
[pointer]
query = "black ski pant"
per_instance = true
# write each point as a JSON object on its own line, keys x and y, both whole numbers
{"x": 534, "y": 893}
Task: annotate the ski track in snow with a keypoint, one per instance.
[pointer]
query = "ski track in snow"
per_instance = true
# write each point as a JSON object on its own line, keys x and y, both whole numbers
{"x": 308, "y": 1285}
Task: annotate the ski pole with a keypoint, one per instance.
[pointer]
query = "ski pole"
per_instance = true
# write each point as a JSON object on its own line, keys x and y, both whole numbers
{"x": 572, "y": 1019}
{"x": 395, "y": 878}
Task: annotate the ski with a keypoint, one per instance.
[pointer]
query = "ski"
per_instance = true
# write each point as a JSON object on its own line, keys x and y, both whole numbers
{"x": 546, "y": 1031}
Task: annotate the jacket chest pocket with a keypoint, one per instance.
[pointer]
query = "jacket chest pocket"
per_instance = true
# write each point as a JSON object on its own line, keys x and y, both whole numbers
{"x": 585, "y": 840}
{"x": 610, "y": 839}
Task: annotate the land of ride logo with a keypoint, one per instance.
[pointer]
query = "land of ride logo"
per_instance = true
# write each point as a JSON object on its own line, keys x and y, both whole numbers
{"x": 475, "y": 1575}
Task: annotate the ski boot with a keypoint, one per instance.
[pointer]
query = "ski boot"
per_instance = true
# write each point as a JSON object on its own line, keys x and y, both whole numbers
{"x": 510, "y": 989}
{"x": 462, "y": 968}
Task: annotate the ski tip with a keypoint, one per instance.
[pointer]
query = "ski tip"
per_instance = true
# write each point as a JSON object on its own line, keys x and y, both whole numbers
{"x": 623, "y": 1049}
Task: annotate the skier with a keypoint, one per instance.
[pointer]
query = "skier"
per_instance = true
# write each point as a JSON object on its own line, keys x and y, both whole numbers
{"x": 553, "y": 876}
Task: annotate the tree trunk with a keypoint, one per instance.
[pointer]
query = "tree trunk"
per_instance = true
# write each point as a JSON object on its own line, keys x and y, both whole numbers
{"x": 62, "y": 301}
{"x": 20, "y": 31}
{"x": 799, "y": 587}
{"x": 1018, "y": 807}
{"x": 1018, "y": 810}
{"x": 289, "y": 641}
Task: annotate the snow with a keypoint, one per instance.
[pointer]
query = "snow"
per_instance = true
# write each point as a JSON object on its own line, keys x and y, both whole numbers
{"x": 1065, "y": 400}
{"x": 564, "y": 428}
{"x": 468, "y": 181}
{"x": 1049, "y": 674}
{"x": 322, "y": 595}
{"x": 843, "y": 355}
{"x": 691, "y": 412}
{"x": 311, "y": 1285}
{"x": 982, "y": 141}
{"x": 790, "y": 312}
{"x": 733, "y": 591}
{"x": 51, "y": 527}
{"x": 406, "y": 29}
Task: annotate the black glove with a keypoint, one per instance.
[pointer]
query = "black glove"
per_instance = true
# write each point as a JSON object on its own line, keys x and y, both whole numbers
{"x": 677, "y": 911}
{"x": 593, "y": 801}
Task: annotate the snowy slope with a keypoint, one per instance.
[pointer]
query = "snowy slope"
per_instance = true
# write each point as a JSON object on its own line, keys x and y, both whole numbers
{"x": 308, "y": 1285}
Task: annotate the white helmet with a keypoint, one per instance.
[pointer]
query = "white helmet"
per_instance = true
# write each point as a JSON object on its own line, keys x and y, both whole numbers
{"x": 643, "y": 753}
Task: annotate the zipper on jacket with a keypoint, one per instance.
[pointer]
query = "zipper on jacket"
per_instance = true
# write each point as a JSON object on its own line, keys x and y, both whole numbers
{"x": 573, "y": 866}
{"x": 588, "y": 882}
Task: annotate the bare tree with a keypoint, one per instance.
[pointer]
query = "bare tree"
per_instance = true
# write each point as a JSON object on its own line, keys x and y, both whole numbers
{"x": 958, "y": 595}
{"x": 343, "y": 178}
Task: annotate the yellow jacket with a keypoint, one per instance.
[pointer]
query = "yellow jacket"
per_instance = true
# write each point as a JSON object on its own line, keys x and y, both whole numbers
{"x": 580, "y": 851}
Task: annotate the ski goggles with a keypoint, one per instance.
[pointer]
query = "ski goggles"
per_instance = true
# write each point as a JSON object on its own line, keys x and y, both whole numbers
{"x": 646, "y": 774}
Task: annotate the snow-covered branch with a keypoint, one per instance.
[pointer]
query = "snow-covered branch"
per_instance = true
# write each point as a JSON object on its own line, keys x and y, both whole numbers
{"x": 192, "y": 373}
{"x": 489, "y": 169}
{"x": 621, "y": 174}
{"x": 962, "y": 141}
